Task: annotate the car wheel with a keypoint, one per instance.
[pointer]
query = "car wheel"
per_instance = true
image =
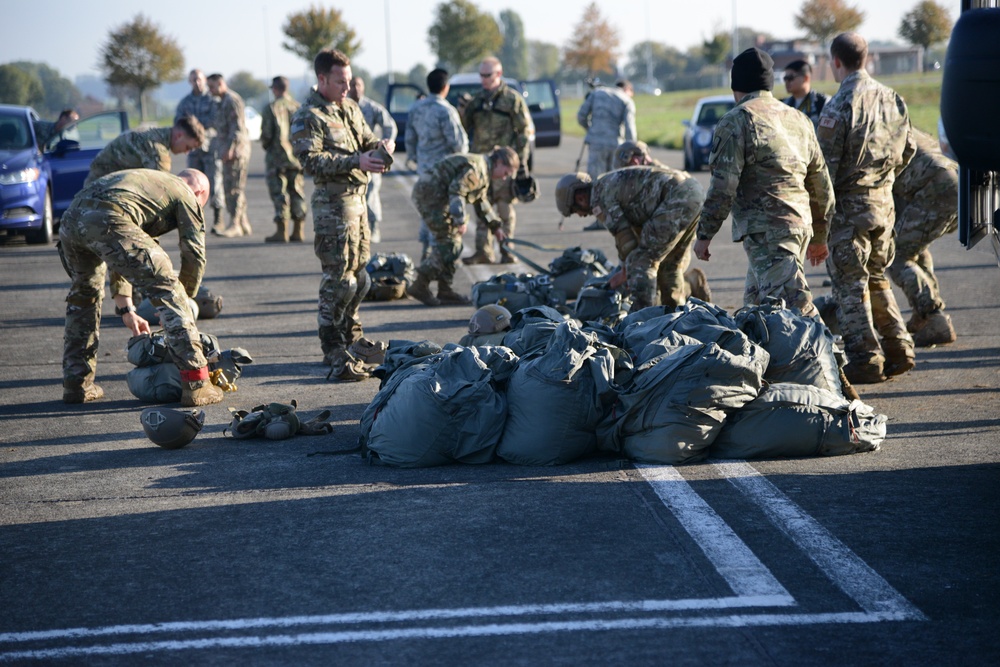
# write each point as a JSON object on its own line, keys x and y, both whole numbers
{"x": 44, "y": 233}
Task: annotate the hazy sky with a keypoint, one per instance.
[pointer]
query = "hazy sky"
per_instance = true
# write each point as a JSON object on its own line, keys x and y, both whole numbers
{"x": 229, "y": 36}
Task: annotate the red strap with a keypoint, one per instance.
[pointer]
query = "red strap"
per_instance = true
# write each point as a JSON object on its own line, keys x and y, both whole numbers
{"x": 195, "y": 375}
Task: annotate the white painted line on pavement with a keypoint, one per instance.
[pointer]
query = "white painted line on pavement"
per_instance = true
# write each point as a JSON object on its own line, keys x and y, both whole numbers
{"x": 843, "y": 567}
{"x": 730, "y": 555}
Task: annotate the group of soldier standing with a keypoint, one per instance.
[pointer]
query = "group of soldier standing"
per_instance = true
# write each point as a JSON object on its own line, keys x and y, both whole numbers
{"x": 796, "y": 191}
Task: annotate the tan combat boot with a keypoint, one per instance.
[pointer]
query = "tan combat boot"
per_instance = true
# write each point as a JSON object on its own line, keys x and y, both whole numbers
{"x": 865, "y": 373}
{"x": 449, "y": 297}
{"x": 345, "y": 367}
{"x": 245, "y": 227}
{"x": 698, "y": 284}
{"x": 480, "y": 257}
{"x": 298, "y": 234}
{"x": 279, "y": 236}
{"x": 420, "y": 290}
{"x": 935, "y": 329}
{"x": 197, "y": 390}
{"x": 82, "y": 394}
{"x": 899, "y": 357}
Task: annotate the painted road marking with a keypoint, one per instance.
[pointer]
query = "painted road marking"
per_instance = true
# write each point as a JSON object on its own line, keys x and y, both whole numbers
{"x": 754, "y": 585}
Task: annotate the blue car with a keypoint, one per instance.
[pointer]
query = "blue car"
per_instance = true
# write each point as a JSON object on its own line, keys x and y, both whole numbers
{"x": 37, "y": 183}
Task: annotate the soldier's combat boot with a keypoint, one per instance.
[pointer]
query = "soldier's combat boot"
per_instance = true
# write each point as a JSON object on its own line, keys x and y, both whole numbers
{"x": 936, "y": 329}
{"x": 279, "y": 236}
{"x": 869, "y": 372}
{"x": 245, "y": 227}
{"x": 480, "y": 257}
{"x": 698, "y": 283}
{"x": 449, "y": 297}
{"x": 82, "y": 394}
{"x": 197, "y": 390}
{"x": 420, "y": 290}
{"x": 298, "y": 234}
{"x": 899, "y": 357}
{"x": 345, "y": 367}
{"x": 915, "y": 322}
{"x": 506, "y": 257}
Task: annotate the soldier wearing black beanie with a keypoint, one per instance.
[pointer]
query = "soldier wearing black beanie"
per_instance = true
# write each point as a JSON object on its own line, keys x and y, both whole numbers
{"x": 752, "y": 70}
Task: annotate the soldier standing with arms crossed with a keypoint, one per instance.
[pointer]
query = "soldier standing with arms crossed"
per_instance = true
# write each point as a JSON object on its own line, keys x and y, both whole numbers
{"x": 336, "y": 148}
{"x": 284, "y": 173}
{"x": 377, "y": 116}
{"x": 864, "y": 132}
{"x": 199, "y": 103}
{"x": 496, "y": 116}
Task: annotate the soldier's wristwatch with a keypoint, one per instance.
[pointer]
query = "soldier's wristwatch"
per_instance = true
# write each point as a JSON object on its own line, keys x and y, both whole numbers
{"x": 122, "y": 311}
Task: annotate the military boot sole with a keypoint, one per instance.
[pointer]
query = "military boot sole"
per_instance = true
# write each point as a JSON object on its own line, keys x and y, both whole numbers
{"x": 86, "y": 394}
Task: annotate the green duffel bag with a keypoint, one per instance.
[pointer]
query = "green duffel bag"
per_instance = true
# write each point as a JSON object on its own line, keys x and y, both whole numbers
{"x": 159, "y": 383}
{"x": 147, "y": 311}
{"x": 516, "y": 292}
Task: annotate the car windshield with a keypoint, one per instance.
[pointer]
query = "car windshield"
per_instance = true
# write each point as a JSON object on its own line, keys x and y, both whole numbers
{"x": 712, "y": 112}
{"x": 93, "y": 133}
{"x": 15, "y": 135}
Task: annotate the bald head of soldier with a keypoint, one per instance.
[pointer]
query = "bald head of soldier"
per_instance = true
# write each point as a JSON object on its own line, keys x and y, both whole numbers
{"x": 198, "y": 182}
{"x": 491, "y": 73}
{"x": 848, "y": 54}
{"x": 197, "y": 80}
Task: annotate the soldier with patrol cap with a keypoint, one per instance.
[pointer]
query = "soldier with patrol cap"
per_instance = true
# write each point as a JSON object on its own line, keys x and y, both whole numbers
{"x": 112, "y": 223}
{"x": 653, "y": 214}
{"x": 336, "y": 148}
{"x": 284, "y": 173}
{"x": 608, "y": 115}
{"x": 496, "y": 116}
{"x": 440, "y": 197}
{"x": 768, "y": 170}
{"x": 148, "y": 149}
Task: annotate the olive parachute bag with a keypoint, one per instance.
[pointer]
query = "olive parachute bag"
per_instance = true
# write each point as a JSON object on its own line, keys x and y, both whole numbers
{"x": 390, "y": 274}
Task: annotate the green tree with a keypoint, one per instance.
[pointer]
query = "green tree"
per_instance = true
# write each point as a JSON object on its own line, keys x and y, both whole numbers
{"x": 20, "y": 87}
{"x": 137, "y": 57}
{"x": 667, "y": 61}
{"x": 543, "y": 60}
{"x": 247, "y": 85}
{"x": 824, "y": 19}
{"x": 715, "y": 49}
{"x": 927, "y": 24}
{"x": 514, "y": 52}
{"x": 59, "y": 92}
{"x": 418, "y": 75}
{"x": 315, "y": 29}
{"x": 594, "y": 43}
{"x": 462, "y": 34}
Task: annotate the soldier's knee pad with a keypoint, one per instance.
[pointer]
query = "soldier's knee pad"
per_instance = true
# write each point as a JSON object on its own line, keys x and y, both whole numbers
{"x": 363, "y": 283}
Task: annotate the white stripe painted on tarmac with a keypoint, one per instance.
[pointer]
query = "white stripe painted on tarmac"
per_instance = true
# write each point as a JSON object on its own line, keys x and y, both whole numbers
{"x": 843, "y": 567}
{"x": 489, "y": 630}
{"x": 730, "y": 555}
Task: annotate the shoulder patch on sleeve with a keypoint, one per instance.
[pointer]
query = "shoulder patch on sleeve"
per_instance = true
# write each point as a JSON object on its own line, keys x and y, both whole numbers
{"x": 828, "y": 122}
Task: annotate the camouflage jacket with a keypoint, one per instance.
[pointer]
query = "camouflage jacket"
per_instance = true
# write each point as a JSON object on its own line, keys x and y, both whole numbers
{"x": 498, "y": 118}
{"x": 275, "y": 123}
{"x": 864, "y": 132}
{"x": 157, "y": 202}
{"x": 632, "y": 196}
{"x": 379, "y": 121}
{"x": 458, "y": 179}
{"x": 231, "y": 127}
{"x": 811, "y": 105}
{"x": 608, "y": 115}
{"x": 930, "y": 176}
{"x": 149, "y": 149}
{"x": 202, "y": 107}
{"x": 768, "y": 170}
{"x": 433, "y": 131}
{"x": 329, "y": 139}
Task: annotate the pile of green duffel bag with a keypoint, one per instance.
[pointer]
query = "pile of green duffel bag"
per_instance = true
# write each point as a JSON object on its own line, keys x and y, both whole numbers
{"x": 658, "y": 387}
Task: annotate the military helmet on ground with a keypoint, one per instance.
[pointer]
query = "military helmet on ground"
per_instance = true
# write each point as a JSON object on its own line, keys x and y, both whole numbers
{"x": 628, "y": 150}
{"x": 170, "y": 428}
{"x": 566, "y": 191}
{"x": 491, "y": 318}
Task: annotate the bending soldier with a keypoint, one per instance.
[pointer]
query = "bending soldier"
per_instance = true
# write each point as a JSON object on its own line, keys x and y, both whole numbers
{"x": 149, "y": 149}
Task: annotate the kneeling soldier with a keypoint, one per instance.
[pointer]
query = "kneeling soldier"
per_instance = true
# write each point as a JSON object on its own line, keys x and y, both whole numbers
{"x": 112, "y": 223}
{"x": 440, "y": 198}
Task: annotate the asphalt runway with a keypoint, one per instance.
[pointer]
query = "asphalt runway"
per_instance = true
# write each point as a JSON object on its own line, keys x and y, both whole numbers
{"x": 295, "y": 552}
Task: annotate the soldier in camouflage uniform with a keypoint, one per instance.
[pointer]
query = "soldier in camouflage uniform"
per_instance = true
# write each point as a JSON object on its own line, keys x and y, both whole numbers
{"x": 232, "y": 145}
{"x": 433, "y": 131}
{"x": 200, "y": 104}
{"x": 925, "y": 196}
{"x": 149, "y": 149}
{"x": 608, "y": 115}
{"x": 798, "y": 82}
{"x": 864, "y": 132}
{"x": 768, "y": 170}
{"x": 634, "y": 154}
{"x": 496, "y": 116}
{"x": 653, "y": 214}
{"x": 284, "y": 173}
{"x": 336, "y": 148}
{"x": 384, "y": 127}
{"x": 112, "y": 224}
{"x": 440, "y": 198}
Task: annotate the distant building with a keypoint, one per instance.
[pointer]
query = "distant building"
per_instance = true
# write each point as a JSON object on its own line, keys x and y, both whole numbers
{"x": 882, "y": 60}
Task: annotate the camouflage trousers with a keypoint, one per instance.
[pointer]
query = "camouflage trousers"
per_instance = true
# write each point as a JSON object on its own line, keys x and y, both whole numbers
{"x": 286, "y": 187}
{"x": 775, "y": 268}
{"x": 866, "y": 306}
{"x": 342, "y": 246}
{"x": 90, "y": 243}
{"x": 234, "y": 184}
{"x": 657, "y": 265}
{"x": 208, "y": 164}
{"x": 917, "y": 227}
{"x": 502, "y": 199}
{"x": 373, "y": 198}
{"x": 599, "y": 159}
{"x": 446, "y": 247}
